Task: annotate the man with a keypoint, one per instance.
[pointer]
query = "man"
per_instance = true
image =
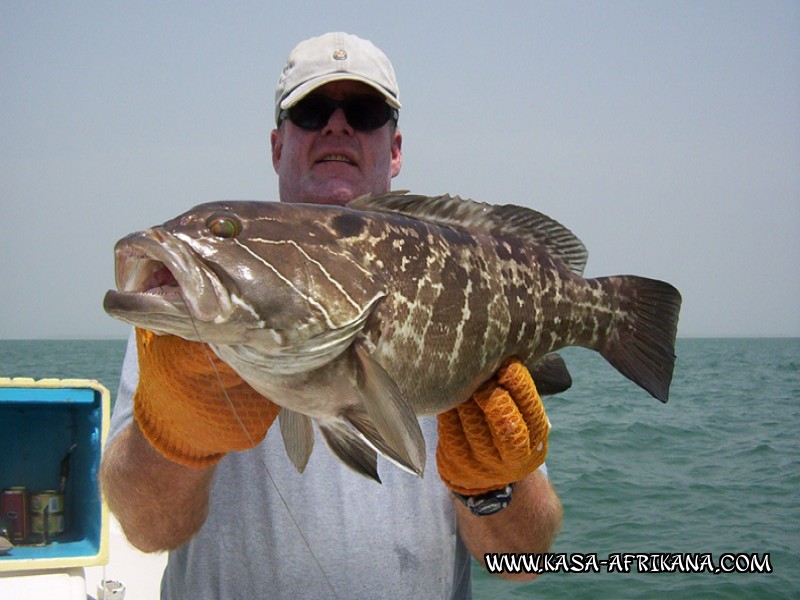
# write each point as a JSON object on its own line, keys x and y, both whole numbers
{"x": 245, "y": 524}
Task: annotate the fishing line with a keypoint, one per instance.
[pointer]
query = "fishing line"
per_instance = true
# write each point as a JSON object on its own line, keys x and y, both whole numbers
{"x": 274, "y": 484}
{"x": 253, "y": 446}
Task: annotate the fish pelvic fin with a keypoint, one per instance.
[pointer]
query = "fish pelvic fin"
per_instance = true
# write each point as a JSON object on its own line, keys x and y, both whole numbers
{"x": 395, "y": 430}
{"x": 346, "y": 443}
{"x": 642, "y": 346}
{"x": 551, "y": 375}
{"x": 298, "y": 437}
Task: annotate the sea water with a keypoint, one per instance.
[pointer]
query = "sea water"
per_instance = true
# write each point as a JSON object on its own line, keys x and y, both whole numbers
{"x": 714, "y": 472}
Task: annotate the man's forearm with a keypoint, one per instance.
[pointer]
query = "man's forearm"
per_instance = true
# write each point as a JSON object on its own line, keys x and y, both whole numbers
{"x": 529, "y": 524}
{"x": 159, "y": 503}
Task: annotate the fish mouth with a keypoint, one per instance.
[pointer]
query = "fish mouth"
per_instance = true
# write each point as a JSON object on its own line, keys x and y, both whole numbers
{"x": 163, "y": 285}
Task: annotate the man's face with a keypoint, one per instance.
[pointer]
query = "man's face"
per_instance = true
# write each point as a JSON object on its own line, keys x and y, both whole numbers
{"x": 336, "y": 163}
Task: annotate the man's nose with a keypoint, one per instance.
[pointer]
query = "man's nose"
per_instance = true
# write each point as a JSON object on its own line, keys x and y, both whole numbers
{"x": 338, "y": 122}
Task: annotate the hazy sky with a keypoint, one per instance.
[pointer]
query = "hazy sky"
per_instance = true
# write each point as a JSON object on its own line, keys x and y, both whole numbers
{"x": 666, "y": 135}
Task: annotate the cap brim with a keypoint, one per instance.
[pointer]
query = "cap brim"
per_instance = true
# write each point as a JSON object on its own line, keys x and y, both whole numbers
{"x": 306, "y": 88}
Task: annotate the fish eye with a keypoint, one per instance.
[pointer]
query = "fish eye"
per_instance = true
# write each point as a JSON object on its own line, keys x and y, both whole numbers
{"x": 224, "y": 226}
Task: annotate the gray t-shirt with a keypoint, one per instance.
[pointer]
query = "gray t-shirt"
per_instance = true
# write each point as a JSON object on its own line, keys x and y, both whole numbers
{"x": 392, "y": 540}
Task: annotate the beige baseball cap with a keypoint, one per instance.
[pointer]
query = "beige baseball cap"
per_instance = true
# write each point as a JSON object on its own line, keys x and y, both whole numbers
{"x": 334, "y": 57}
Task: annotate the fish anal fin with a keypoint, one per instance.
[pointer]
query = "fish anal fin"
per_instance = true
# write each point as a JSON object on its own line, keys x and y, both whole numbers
{"x": 351, "y": 449}
{"x": 298, "y": 437}
{"x": 390, "y": 412}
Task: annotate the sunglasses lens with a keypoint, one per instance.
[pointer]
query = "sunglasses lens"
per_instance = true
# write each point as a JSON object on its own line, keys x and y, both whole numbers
{"x": 363, "y": 113}
{"x": 312, "y": 112}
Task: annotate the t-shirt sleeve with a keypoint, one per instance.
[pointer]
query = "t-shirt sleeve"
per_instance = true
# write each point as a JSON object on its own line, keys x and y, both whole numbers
{"x": 122, "y": 414}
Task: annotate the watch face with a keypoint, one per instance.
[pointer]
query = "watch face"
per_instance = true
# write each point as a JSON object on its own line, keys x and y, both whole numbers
{"x": 488, "y": 503}
{"x": 490, "y": 507}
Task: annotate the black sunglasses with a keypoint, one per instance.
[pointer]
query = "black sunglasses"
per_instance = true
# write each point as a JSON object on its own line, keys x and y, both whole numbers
{"x": 363, "y": 112}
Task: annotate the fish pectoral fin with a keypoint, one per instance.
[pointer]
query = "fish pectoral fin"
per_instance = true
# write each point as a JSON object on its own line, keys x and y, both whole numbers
{"x": 550, "y": 375}
{"x": 391, "y": 414}
{"x": 362, "y": 422}
{"x": 350, "y": 448}
{"x": 298, "y": 437}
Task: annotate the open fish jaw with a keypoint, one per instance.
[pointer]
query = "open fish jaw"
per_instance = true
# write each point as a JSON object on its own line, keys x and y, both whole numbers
{"x": 156, "y": 263}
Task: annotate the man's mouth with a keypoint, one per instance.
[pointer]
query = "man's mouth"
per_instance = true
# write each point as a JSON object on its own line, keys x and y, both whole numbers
{"x": 341, "y": 158}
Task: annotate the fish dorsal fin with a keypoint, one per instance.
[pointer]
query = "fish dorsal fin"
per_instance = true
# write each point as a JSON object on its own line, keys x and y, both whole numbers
{"x": 526, "y": 224}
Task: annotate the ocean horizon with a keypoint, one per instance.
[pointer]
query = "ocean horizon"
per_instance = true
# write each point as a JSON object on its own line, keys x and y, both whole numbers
{"x": 675, "y": 489}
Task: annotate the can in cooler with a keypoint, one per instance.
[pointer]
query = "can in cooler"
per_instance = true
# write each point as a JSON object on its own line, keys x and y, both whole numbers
{"x": 49, "y": 500}
{"x": 47, "y": 513}
{"x": 15, "y": 510}
{"x": 53, "y": 523}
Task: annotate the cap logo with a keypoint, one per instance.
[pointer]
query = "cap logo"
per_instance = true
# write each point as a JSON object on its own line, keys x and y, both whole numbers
{"x": 340, "y": 54}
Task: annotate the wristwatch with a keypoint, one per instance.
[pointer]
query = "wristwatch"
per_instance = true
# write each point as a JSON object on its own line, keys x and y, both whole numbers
{"x": 487, "y": 503}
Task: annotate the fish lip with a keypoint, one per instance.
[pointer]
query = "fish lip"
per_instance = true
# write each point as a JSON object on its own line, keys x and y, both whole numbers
{"x": 161, "y": 273}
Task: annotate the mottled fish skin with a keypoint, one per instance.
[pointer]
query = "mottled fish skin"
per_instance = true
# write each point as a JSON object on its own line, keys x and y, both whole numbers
{"x": 434, "y": 292}
{"x": 448, "y": 319}
{"x": 458, "y": 304}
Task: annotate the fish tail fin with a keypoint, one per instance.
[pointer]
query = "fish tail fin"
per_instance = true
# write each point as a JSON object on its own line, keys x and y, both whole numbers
{"x": 642, "y": 344}
{"x": 346, "y": 443}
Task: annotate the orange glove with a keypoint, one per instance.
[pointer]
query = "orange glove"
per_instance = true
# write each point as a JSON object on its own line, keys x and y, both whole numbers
{"x": 497, "y": 437}
{"x": 191, "y": 406}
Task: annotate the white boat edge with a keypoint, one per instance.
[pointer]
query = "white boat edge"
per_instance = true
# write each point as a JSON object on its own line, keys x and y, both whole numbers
{"x": 138, "y": 572}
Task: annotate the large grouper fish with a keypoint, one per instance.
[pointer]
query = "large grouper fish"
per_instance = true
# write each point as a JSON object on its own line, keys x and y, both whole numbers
{"x": 363, "y": 317}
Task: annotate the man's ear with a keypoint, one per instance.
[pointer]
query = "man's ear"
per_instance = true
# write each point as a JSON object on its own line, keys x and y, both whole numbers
{"x": 397, "y": 153}
{"x": 276, "y": 143}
